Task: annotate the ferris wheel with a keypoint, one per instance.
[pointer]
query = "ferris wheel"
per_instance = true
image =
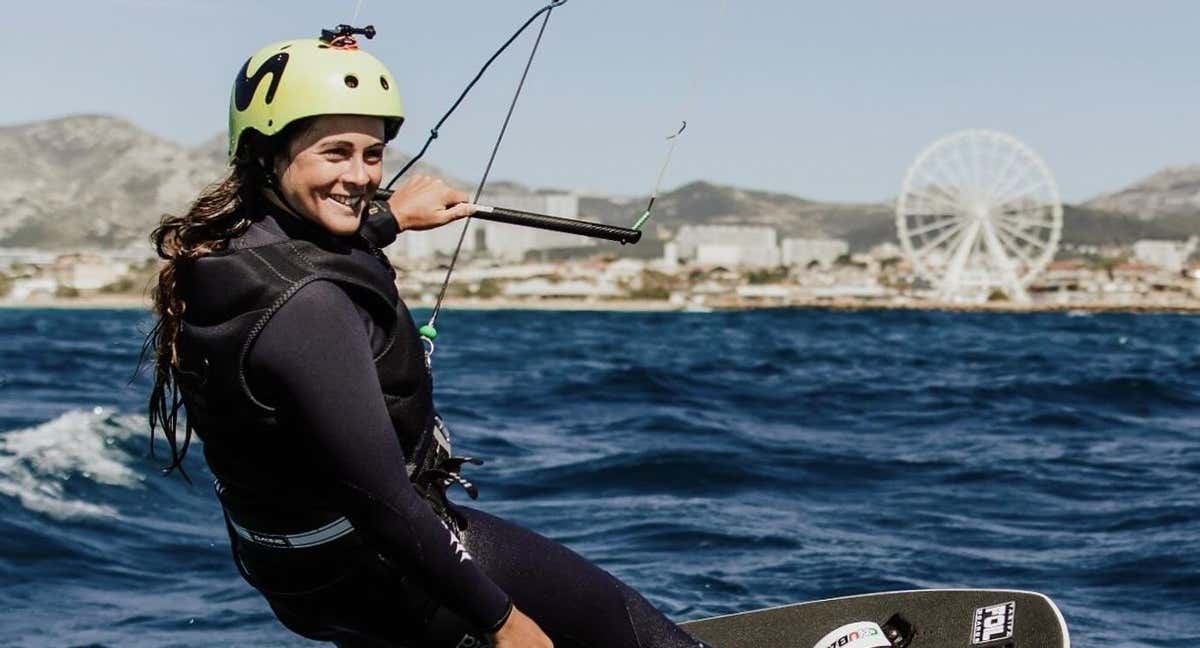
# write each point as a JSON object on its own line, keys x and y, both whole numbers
{"x": 979, "y": 212}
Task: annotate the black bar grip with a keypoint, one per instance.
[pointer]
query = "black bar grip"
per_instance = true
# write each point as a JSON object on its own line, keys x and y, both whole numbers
{"x": 621, "y": 235}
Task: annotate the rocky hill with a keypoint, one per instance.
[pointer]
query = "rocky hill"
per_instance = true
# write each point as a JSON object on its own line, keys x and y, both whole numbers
{"x": 708, "y": 203}
{"x": 92, "y": 181}
{"x": 98, "y": 182}
{"x": 101, "y": 182}
{"x": 1174, "y": 191}
{"x": 1086, "y": 226}
{"x": 862, "y": 225}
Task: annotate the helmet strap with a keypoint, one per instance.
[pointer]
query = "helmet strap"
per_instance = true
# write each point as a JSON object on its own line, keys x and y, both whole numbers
{"x": 271, "y": 180}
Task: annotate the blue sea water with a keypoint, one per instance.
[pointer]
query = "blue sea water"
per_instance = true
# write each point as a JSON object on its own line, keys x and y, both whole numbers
{"x": 717, "y": 462}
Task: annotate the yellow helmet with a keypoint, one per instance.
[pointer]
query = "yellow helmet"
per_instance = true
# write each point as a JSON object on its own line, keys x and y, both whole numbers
{"x": 287, "y": 81}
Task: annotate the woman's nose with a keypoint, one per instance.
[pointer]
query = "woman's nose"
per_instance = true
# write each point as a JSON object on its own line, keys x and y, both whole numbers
{"x": 356, "y": 173}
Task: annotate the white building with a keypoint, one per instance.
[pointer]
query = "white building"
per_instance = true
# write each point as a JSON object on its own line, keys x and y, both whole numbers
{"x": 766, "y": 293}
{"x": 1168, "y": 255}
{"x": 869, "y": 289}
{"x": 625, "y": 269}
{"x": 494, "y": 273}
{"x": 574, "y": 289}
{"x": 744, "y": 245}
{"x": 719, "y": 254}
{"x": 24, "y": 256}
{"x": 804, "y": 252}
{"x": 886, "y": 250}
{"x": 23, "y": 289}
{"x": 497, "y": 240}
{"x": 670, "y": 257}
{"x": 86, "y": 271}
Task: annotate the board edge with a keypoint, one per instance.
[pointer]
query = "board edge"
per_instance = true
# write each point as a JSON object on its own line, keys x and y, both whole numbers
{"x": 1062, "y": 622}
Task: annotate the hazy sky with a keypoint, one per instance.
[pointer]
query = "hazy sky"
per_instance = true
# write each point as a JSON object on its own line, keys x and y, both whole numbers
{"x": 829, "y": 100}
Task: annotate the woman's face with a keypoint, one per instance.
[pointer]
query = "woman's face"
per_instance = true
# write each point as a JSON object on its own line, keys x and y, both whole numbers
{"x": 333, "y": 167}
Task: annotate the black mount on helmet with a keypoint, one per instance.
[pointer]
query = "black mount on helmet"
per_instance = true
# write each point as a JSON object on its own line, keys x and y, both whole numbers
{"x": 332, "y": 36}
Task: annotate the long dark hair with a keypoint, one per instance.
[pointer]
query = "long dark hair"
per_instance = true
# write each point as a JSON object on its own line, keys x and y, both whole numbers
{"x": 219, "y": 214}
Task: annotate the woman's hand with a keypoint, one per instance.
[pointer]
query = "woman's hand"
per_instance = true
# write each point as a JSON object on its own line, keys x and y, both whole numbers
{"x": 425, "y": 202}
{"x": 520, "y": 632}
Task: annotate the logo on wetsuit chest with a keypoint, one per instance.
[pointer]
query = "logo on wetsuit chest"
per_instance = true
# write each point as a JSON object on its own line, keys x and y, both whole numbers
{"x": 471, "y": 642}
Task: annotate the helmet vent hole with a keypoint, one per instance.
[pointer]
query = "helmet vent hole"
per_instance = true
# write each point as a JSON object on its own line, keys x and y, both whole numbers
{"x": 351, "y": 81}
{"x": 270, "y": 122}
{"x": 285, "y": 47}
{"x": 383, "y": 82}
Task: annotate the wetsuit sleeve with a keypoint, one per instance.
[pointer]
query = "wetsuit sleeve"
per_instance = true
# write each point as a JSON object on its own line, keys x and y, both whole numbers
{"x": 317, "y": 355}
{"x": 380, "y": 226}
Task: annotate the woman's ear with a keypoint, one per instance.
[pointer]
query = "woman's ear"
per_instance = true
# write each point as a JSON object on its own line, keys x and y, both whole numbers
{"x": 267, "y": 168}
{"x": 276, "y": 163}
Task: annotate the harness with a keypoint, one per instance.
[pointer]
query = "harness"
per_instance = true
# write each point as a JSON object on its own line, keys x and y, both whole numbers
{"x": 435, "y": 471}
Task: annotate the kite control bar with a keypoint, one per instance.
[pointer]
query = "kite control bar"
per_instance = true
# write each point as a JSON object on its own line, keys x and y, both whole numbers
{"x": 621, "y": 235}
{"x": 590, "y": 229}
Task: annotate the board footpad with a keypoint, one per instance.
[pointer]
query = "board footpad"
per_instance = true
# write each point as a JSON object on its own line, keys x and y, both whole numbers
{"x": 899, "y": 631}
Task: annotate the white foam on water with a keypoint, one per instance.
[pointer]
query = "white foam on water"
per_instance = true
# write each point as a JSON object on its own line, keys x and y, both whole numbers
{"x": 35, "y": 462}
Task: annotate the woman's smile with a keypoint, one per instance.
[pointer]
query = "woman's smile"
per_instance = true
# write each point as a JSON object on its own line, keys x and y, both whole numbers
{"x": 347, "y": 200}
{"x": 351, "y": 203}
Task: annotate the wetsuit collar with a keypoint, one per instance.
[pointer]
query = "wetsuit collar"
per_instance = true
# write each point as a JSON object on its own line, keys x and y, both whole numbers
{"x": 286, "y": 224}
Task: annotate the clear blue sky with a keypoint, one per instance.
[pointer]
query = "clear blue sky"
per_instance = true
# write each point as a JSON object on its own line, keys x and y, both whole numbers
{"x": 829, "y": 100}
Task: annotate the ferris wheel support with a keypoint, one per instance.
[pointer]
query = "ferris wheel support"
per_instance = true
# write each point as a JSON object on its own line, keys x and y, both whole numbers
{"x": 1015, "y": 289}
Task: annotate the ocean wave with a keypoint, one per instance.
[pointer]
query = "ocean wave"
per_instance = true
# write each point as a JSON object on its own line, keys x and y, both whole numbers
{"x": 716, "y": 463}
{"x": 39, "y": 464}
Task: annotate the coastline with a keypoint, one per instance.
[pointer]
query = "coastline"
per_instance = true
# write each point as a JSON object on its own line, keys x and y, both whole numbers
{"x": 137, "y": 302}
{"x": 94, "y": 302}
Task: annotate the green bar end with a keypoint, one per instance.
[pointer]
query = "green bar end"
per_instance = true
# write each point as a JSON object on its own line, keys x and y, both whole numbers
{"x": 642, "y": 220}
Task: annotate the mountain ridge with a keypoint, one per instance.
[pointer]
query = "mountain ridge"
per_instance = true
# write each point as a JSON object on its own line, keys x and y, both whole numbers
{"x": 100, "y": 181}
{"x": 1172, "y": 191}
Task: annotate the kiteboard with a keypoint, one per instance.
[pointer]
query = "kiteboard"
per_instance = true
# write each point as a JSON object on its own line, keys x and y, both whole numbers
{"x": 936, "y": 618}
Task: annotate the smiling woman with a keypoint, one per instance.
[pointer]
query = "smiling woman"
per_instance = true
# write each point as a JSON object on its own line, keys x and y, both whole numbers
{"x": 281, "y": 332}
{"x": 329, "y": 170}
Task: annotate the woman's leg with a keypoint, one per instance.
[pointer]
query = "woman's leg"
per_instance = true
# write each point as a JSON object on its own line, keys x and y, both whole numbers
{"x": 370, "y": 606}
{"x": 577, "y": 604}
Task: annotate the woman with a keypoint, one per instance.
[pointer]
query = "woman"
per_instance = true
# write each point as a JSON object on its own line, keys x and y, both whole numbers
{"x": 301, "y": 369}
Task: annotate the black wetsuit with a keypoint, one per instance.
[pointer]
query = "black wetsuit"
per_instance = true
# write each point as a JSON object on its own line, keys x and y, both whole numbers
{"x": 402, "y": 577}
